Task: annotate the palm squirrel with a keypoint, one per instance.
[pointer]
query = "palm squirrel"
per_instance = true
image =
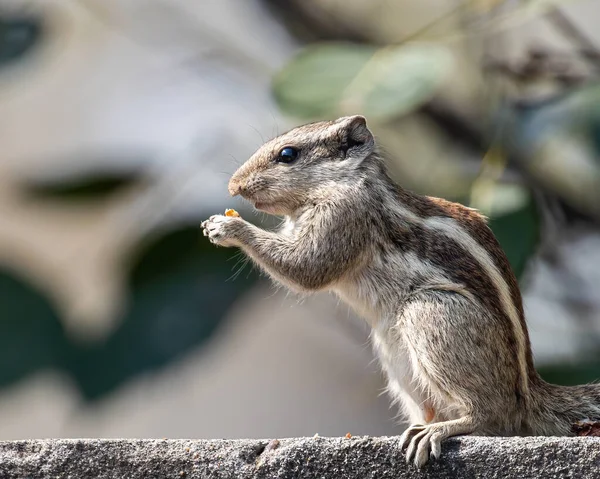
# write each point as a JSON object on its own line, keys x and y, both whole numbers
{"x": 427, "y": 274}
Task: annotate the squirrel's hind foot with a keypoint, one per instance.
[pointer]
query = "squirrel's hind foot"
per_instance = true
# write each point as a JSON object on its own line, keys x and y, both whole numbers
{"x": 425, "y": 441}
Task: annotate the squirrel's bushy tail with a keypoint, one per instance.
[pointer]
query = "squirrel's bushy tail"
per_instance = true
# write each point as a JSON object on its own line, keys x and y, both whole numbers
{"x": 555, "y": 409}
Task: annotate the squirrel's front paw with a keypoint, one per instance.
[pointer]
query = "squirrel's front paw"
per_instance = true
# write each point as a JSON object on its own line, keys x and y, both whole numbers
{"x": 221, "y": 229}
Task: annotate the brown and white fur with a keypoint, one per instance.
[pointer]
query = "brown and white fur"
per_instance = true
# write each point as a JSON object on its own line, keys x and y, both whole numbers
{"x": 427, "y": 274}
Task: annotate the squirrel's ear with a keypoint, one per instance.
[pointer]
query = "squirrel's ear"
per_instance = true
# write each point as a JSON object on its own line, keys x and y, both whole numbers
{"x": 356, "y": 139}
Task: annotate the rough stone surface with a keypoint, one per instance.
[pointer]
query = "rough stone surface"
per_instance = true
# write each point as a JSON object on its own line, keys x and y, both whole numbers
{"x": 357, "y": 457}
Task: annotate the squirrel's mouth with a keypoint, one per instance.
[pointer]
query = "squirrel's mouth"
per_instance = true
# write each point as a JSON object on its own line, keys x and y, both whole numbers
{"x": 264, "y": 206}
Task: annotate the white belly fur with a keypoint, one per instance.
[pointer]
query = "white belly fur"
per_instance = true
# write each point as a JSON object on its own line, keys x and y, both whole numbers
{"x": 402, "y": 387}
{"x": 417, "y": 400}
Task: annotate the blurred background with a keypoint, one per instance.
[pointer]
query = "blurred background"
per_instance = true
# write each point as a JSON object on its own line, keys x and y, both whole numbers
{"x": 120, "y": 123}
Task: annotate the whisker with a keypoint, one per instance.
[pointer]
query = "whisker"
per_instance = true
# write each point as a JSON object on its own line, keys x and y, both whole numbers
{"x": 244, "y": 262}
{"x": 275, "y": 121}
{"x": 235, "y": 160}
{"x": 259, "y": 134}
{"x": 249, "y": 272}
{"x": 275, "y": 289}
{"x": 237, "y": 256}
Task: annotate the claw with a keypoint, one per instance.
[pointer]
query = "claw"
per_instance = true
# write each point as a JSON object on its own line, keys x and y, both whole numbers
{"x": 409, "y": 433}
{"x": 421, "y": 442}
{"x": 415, "y": 446}
{"x": 436, "y": 445}
{"x": 422, "y": 455}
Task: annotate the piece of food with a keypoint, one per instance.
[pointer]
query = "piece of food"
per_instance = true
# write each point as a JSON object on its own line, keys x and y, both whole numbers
{"x": 231, "y": 212}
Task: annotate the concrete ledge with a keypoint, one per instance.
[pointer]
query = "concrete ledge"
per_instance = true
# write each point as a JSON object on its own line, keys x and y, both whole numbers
{"x": 358, "y": 457}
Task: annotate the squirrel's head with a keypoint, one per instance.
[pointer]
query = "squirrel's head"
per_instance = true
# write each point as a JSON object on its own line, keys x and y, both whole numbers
{"x": 291, "y": 169}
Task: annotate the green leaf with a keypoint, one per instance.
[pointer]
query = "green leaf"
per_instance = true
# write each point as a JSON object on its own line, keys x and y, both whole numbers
{"x": 181, "y": 288}
{"x": 313, "y": 83}
{"x": 31, "y": 335}
{"x": 514, "y": 219}
{"x": 334, "y": 79}
{"x": 401, "y": 79}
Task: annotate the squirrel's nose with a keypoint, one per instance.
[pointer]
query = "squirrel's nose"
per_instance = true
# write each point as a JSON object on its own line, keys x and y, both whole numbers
{"x": 235, "y": 187}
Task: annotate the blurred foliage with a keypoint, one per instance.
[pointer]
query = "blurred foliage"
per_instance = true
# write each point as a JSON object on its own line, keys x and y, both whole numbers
{"x": 559, "y": 145}
{"x": 515, "y": 219}
{"x": 89, "y": 187}
{"x": 179, "y": 285}
{"x": 571, "y": 374}
{"x": 31, "y": 334}
{"x": 334, "y": 79}
{"x": 179, "y": 291}
{"x": 18, "y": 35}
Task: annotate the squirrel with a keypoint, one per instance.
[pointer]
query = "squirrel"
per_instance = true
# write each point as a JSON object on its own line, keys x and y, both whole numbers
{"x": 427, "y": 274}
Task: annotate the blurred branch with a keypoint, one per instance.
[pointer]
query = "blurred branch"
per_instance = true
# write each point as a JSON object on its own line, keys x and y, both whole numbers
{"x": 320, "y": 24}
{"x": 456, "y": 126}
{"x": 315, "y": 23}
{"x": 435, "y": 22}
{"x": 564, "y": 24}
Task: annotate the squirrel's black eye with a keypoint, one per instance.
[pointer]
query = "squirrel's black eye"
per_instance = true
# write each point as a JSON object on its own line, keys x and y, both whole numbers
{"x": 287, "y": 155}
